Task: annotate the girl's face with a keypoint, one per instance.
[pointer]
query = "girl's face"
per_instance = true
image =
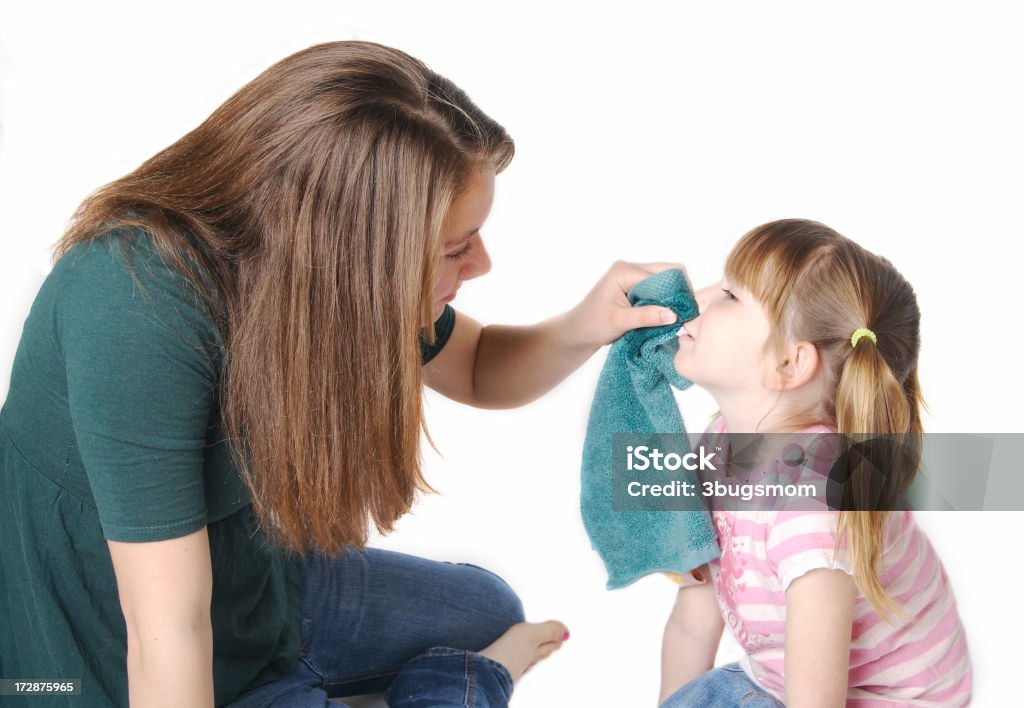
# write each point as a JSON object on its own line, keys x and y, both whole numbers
{"x": 722, "y": 349}
{"x": 463, "y": 255}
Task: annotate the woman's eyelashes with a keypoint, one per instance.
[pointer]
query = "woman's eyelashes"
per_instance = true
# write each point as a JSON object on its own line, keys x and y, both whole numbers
{"x": 728, "y": 294}
{"x": 461, "y": 253}
{"x": 464, "y": 251}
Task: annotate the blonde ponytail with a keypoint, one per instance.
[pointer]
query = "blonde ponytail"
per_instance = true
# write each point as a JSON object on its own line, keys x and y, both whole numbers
{"x": 881, "y": 415}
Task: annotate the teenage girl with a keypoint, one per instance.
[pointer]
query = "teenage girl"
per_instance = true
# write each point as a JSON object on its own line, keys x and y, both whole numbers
{"x": 809, "y": 332}
{"x": 219, "y": 392}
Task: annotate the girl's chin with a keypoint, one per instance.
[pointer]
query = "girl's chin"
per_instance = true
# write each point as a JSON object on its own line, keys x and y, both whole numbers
{"x": 680, "y": 367}
{"x": 688, "y": 375}
{"x": 684, "y": 373}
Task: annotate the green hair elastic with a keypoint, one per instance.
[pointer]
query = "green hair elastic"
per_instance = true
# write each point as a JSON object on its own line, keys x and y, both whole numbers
{"x": 863, "y": 332}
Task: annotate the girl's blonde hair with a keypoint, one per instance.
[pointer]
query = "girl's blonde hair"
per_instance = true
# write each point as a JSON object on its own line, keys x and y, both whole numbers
{"x": 306, "y": 212}
{"x": 818, "y": 286}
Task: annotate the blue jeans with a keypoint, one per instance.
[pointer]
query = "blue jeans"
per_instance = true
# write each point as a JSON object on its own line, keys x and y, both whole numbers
{"x": 725, "y": 687}
{"x": 381, "y": 621}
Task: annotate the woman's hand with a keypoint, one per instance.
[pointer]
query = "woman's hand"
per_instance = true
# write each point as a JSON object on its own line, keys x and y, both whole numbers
{"x": 502, "y": 366}
{"x": 605, "y": 314}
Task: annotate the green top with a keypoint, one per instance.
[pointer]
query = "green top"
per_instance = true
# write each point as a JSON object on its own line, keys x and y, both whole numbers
{"x": 111, "y": 430}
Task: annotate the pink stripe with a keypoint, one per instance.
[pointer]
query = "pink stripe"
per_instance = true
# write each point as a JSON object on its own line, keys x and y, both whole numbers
{"x": 772, "y": 671}
{"x": 950, "y": 660}
{"x": 889, "y": 642}
{"x": 898, "y": 638}
{"x": 862, "y": 656}
{"x": 911, "y": 552}
{"x": 818, "y": 521}
{"x": 785, "y": 516}
{"x": 925, "y": 576}
{"x": 762, "y": 596}
{"x": 743, "y": 526}
{"x": 866, "y": 622}
{"x": 764, "y": 628}
{"x": 761, "y": 578}
{"x": 803, "y": 542}
{"x": 914, "y": 607}
{"x": 908, "y": 652}
{"x": 961, "y": 688}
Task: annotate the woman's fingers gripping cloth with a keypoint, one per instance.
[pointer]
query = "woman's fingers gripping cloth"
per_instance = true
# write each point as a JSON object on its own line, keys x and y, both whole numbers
{"x": 634, "y": 396}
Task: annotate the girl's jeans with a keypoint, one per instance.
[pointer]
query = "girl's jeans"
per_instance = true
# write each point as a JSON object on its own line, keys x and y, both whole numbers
{"x": 376, "y": 620}
{"x": 725, "y": 687}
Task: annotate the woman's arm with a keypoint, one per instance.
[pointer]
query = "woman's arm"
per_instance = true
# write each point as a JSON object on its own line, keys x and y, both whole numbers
{"x": 502, "y": 366}
{"x": 165, "y": 588}
{"x": 692, "y": 635}
{"x": 819, "y": 622}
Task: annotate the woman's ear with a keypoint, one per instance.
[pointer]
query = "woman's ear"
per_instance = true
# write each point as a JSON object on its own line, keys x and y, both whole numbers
{"x": 798, "y": 367}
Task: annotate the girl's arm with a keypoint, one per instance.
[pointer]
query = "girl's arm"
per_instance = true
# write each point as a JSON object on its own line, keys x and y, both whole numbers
{"x": 819, "y": 622}
{"x": 501, "y": 366}
{"x": 165, "y": 588}
{"x": 691, "y": 639}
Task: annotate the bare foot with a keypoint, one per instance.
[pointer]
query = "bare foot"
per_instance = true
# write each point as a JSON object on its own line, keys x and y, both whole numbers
{"x": 526, "y": 643}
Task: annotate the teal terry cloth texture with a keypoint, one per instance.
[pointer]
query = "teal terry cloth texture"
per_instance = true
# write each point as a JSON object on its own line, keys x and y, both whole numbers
{"x": 634, "y": 395}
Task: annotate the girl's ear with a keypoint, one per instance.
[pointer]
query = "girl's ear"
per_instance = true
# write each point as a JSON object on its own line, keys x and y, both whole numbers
{"x": 798, "y": 367}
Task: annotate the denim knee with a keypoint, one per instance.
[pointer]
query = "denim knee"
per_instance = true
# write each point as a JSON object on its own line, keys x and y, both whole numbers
{"x": 449, "y": 678}
{"x": 502, "y": 600}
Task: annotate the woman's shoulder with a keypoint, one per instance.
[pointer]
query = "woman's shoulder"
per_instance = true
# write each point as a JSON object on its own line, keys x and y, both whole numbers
{"x": 117, "y": 257}
{"x": 118, "y": 284}
{"x": 125, "y": 262}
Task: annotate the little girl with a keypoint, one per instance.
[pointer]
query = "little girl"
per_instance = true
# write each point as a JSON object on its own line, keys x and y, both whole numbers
{"x": 808, "y": 332}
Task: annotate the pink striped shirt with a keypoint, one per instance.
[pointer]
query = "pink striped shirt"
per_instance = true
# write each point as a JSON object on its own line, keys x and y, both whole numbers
{"x": 918, "y": 660}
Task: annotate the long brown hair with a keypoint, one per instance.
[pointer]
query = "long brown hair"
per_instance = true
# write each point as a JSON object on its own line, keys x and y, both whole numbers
{"x": 819, "y": 287}
{"x": 306, "y": 211}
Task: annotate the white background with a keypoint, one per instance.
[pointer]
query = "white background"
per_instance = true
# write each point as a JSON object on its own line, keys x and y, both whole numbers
{"x": 661, "y": 132}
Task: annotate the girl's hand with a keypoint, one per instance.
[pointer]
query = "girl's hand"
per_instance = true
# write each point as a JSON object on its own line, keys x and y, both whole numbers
{"x": 605, "y": 314}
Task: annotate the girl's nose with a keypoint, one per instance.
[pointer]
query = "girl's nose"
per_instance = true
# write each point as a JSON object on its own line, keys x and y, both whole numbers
{"x": 703, "y": 296}
{"x": 478, "y": 263}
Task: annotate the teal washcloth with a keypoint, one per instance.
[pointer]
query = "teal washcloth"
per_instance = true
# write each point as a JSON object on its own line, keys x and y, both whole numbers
{"x": 634, "y": 396}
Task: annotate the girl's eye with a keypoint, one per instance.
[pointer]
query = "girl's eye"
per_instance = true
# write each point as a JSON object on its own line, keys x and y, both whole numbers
{"x": 729, "y": 294}
{"x": 460, "y": 254}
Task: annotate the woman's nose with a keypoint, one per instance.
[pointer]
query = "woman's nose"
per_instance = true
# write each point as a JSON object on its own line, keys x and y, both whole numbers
{"x": 478, "y": 263}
